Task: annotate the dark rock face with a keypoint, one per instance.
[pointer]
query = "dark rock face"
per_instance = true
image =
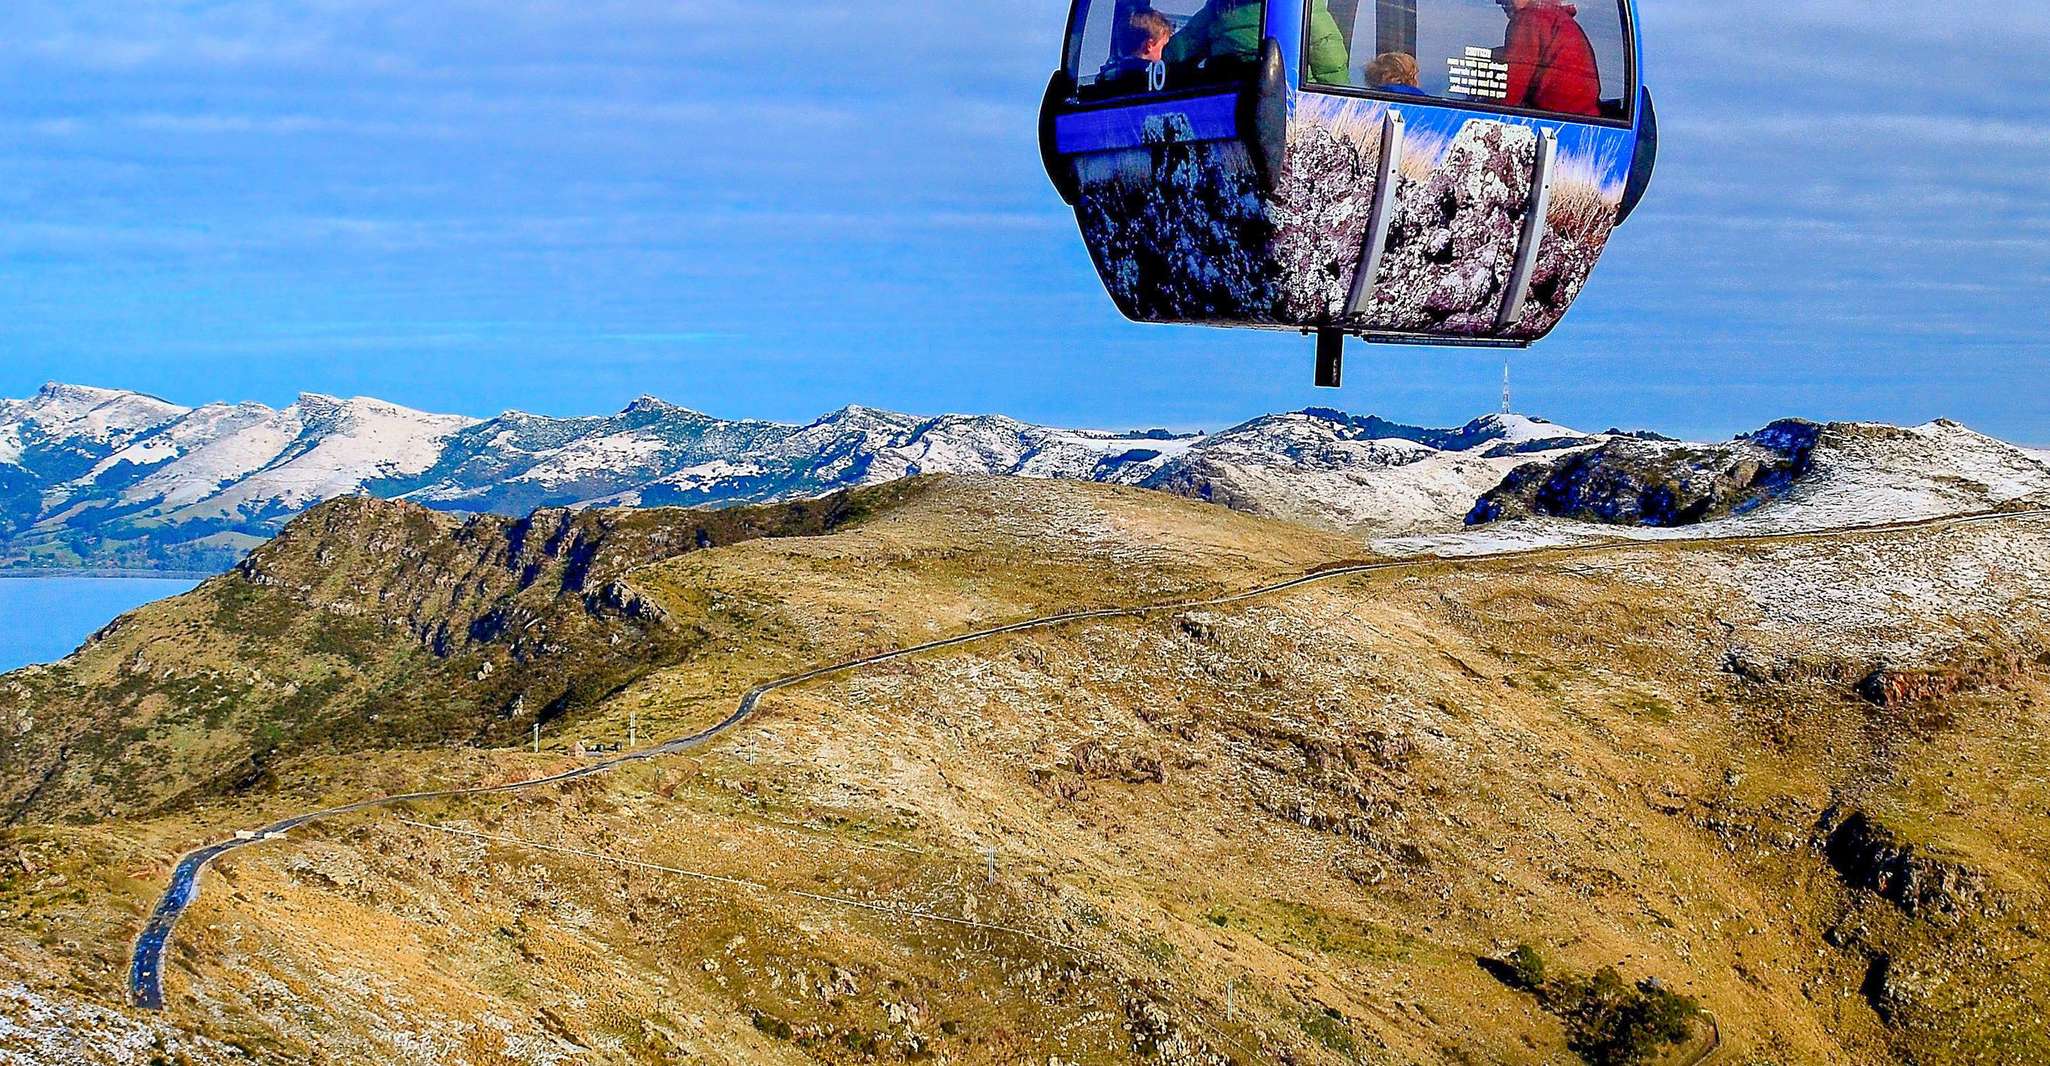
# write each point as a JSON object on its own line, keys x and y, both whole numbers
{"x": 1548, "y": 444}
{"x": 1203, "y": 479}
{"x": 1889, "y": 687}
{"x": 1183, "y": 230}
{"x": 1791, "y": 439}
{"x": 1925, "y": 686}
{"x": 1180, "y": 231}
{"x": 1649, "y": 483}
{"x": 1872, "y": 858}
{"x": 1881, "y": 988}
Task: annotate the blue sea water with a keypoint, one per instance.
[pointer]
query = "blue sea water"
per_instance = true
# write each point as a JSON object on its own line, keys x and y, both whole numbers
{"x": 43, "y": 619}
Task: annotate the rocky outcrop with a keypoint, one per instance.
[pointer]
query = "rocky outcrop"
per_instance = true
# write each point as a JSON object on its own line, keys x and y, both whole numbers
{"x": 1185, "y": 237}
{"x": 370, "y": 624}
{"x": 454, "y": 584}
{"x": 1989, "y": 662}
{"x": 1320, "y": 209}
{"x": 1652, "y": 483}
{"x": 1873, "y": 858}
{"x": 1890, "y": 687}
{"x": 1093, "y": 761}
{"x": 1199, "y": 477}
{"x": 1158, "y": 1036}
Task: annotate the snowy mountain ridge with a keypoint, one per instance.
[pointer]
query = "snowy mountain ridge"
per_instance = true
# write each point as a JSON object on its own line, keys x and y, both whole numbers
{"x": 1791, "y": 477}
{"x": 93, "y": 476}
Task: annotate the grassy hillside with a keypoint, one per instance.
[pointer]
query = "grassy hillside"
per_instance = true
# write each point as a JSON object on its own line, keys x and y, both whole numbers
{"x": 1802, "y": 783}
{"x": 366, "y": 625}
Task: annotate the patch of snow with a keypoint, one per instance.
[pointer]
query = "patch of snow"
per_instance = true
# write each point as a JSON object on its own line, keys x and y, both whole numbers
{"x": 1109, "y": 442}
{"x": 446, "y": 495}
{"x": 38, "y": 1029}
{"x": 339, "y": 447}
{"x": 1866, "y": 474}
{"x": 1517, "y": 429}
{"x": 595, "y": 456}
{"x": 102, "y": 416}
{"x": 706, "y": 474}
{"x": 1909, "y": 585}
{"x": 1495, "y": 539}
{"x": 151, "y": 451}
{"x": 221, "y": 445}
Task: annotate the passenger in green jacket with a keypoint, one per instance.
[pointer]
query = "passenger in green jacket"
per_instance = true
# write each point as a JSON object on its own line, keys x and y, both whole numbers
{"x": 1233, "y": 28}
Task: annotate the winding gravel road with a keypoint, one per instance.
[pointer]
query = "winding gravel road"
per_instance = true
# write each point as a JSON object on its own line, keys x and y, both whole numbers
{"x": 145, "y": 974}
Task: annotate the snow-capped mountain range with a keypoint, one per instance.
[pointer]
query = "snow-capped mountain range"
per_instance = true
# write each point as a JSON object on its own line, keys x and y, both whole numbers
{"x": 107, "y": 477}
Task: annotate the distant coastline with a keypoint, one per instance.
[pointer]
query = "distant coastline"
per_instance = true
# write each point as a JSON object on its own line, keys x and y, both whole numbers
{"x": 29, "y": 572}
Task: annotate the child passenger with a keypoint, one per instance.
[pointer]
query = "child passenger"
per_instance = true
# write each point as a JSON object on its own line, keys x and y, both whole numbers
{"x": 1146, "y": 34}
{"x": 1395, "y": 72}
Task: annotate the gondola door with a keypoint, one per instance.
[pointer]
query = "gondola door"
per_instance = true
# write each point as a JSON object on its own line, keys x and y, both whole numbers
{"x": 1504, "y": 135}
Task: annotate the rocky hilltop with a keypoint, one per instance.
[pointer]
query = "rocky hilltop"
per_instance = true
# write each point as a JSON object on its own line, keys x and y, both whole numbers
{"x": 1522, "y": 810}
{"x": 365, "y": 625}
{"x": 1658, "y": 483}
{"x": 93, "y": 476}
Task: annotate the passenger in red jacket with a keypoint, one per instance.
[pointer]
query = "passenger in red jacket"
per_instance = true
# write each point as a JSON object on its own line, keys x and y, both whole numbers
{"x": 1552, "y": 65}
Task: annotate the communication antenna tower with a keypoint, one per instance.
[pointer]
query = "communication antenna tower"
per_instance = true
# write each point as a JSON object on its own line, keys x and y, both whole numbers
{"x": 1505, "y": 388}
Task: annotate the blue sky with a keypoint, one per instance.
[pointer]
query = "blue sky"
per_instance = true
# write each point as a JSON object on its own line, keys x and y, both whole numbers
{"x": 776, "y": 209}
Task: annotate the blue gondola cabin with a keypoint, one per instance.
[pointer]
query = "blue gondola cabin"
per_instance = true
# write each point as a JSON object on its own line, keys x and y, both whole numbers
{"x": 1414, "y": 171}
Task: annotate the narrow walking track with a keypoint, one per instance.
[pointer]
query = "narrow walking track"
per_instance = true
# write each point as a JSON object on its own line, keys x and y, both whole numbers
{"x": 145, "y": 973}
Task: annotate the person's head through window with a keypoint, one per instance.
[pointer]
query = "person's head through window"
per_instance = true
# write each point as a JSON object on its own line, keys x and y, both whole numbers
{"x": 1395, "y": 72}
{"x": 1145, "y": 35}
{"x": 1551, "y": 62}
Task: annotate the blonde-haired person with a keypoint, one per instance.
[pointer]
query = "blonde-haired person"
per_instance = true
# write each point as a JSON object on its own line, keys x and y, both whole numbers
{"x": 1395, "y": 72}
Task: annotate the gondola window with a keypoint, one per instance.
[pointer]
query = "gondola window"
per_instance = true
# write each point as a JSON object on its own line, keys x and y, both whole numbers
{"x": 1125, "y": 48}
{"x": 1551, "y": 56}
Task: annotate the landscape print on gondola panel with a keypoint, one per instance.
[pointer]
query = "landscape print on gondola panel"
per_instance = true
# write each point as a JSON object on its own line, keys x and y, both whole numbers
{"x": 1181, "y": 230}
